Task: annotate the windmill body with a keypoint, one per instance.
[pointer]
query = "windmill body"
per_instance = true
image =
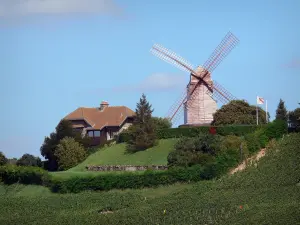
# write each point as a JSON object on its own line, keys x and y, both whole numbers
{"x": 200, "y": 107}
{"x": 197, "y": 102}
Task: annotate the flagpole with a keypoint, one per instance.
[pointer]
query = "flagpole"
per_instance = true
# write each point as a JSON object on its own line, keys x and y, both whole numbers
{"x": 256, "y": 111}
{"x": 266, "y": 111}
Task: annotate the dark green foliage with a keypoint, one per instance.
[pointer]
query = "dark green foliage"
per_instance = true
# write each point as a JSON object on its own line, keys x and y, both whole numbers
{"x": 253, "y": 143}
{"x": 143, "y": 131}
{"x": 276, "y": 129}
{"x": 238, "y": 130}
{"x": 281, "y": 112}
{"x": 3, "y": 159}
{"x": 161, "y": 123}
{"x": 69, "y": 153}
{"x": 235, "y": 146}
{"x": 127, "y": 180}
{"x": 29, "y": 160}
{"x": 197, "y": 150}
{"x": 195, "y": 131}
{"x": 221, "y": 164}
{"x": 238, "y": 112}
{"x": 262, "y": 137}
{"x": 23, "y": 174}
{"x": 294, "y": 119}
{"x": 63, "y": 129}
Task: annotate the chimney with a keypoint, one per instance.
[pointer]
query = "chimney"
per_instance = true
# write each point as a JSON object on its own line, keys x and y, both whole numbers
{"x": 103, "y": 105}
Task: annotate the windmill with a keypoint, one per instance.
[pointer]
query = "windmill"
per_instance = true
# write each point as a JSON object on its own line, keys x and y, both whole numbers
{"x": 198, "y": 101}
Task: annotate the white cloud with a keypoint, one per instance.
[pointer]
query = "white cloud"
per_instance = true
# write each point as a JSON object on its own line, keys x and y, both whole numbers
{"x": 13, "y": 8}
{"x": 157, "y": 82}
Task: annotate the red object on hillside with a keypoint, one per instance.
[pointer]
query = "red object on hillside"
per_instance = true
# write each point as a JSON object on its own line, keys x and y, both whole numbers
{"x": 212, "y": 130}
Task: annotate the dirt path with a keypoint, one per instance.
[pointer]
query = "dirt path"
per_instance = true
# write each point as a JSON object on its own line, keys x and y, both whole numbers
{"x": 249, "y": 161}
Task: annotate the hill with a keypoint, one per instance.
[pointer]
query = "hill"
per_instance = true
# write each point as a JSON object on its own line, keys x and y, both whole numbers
{"x": 116, "y": 155}
{"x": 265, "y": 193}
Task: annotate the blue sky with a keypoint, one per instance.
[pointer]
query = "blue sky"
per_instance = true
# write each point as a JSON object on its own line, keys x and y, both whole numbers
{"x": 59, "y": 55}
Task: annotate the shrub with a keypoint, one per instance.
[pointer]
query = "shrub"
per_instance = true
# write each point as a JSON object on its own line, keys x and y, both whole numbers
{"x": 161, "y": 123}
{"x": 276, "y": 129}
{"x": 197, "y": 150}
{"x": 235, "y": 147}
{"x": 223, "y": 162}
{"x": 3, "y": 159}
{"x": 262, "y": 137}
{"x": 29, "y": 160}
{"x": 123, "y": 137}
{"x": 23, "y": 174}
{"x": 253, "y": 143}
{"x": 69, "y": 153}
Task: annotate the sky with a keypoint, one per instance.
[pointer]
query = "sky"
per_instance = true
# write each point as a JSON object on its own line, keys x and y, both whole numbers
{"x": 57, "y": 55}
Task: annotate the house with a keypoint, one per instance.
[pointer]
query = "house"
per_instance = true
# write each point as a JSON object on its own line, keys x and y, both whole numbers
{"x": 101, "y": 123}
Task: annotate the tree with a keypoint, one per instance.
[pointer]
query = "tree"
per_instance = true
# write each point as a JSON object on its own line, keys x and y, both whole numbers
{"x": 62, "y": 130}
{"x": 161, "y": 123}
{"x": 69, "y": 153}
{"x": 142, "y": 132}
{"x": 238, "y": 112}
{"x": 294, "y": 119}
{"x": 29, "y": 160}
{"x": 281, "y": 112}
{"x": 3, "y": 159}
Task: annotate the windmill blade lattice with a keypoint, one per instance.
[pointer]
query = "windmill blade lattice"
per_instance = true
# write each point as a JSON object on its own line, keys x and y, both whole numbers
{"x": 221, "y": 93}
{"x": 223, "y": 49}
{"x": 172, "y": 58}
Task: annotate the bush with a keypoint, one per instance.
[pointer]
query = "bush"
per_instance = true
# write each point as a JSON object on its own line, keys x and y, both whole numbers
{"x": 235, "y": 147}
{"x": 25, "y": 175}
{"x": 262, "y": 137}
{"x": 3, "y": 159}
{"x": 252, "y": 143}
{"x": 123, "y": 137}
{"x": 276, "y": 129}
{"x": 69, "y": 153}
{"x": 161, "y": 123}
{"x": 197, "y": 150}
{"x": 29, "y": 160}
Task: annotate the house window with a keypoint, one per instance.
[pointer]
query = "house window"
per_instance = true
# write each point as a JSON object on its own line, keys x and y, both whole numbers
{"x": 91, "y": 133}
{"x": 97, "y": 133}
{"x": 94, "y": 133}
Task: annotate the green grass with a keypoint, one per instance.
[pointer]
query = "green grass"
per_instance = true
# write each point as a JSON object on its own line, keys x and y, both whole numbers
{"x": 268, "y": 193}
{"x": 116, "y": 155}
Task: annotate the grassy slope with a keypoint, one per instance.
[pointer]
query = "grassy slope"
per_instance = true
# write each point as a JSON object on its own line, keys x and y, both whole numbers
{"x": 269, "y": 194}
{"x": 115, "y": 155}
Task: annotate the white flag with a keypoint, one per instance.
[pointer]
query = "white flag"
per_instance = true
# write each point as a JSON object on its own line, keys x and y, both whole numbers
{"x": 260, "y": 100}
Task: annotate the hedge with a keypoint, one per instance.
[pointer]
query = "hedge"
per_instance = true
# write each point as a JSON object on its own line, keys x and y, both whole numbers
{"x": 31, "y": 175}
{"x": 10, "y": 174}
{"x": 238, "y": 130}
{"x": 126, "y": 180}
